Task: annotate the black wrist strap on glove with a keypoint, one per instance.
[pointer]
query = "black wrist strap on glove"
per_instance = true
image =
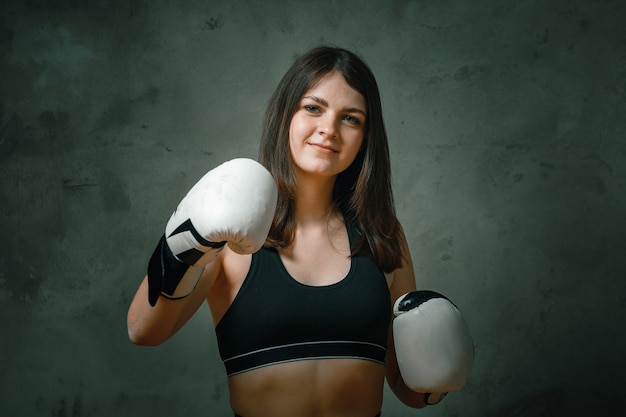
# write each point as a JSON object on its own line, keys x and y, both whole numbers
{"x": 165, "y": 271}
{"x": 434, "y": 398}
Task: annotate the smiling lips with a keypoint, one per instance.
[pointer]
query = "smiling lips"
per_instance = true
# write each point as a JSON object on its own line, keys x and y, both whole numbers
{"x": 323, "y": 147}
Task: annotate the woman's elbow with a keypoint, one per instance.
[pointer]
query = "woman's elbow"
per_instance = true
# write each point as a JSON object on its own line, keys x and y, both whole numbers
{"x": 140, "y": 338}
{"x": 142, "y": 334}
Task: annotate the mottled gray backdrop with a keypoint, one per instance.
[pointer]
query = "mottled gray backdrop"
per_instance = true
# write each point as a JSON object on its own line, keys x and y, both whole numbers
{"x": 507, "y": 135}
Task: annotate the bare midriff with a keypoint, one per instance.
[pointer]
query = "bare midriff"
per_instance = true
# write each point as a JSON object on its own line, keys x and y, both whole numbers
{"x": 310, "y": 388}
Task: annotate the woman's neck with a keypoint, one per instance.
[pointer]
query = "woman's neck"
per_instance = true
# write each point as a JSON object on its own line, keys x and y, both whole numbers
{"x": 314, "y": 200}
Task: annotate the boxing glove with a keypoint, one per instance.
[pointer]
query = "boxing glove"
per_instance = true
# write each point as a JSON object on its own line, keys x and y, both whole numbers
{"x": 232, "y": 204}
{"x": 433, "y": 345}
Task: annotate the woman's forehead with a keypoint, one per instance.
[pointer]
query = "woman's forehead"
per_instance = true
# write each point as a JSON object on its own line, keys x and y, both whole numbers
{"x": 334, "y": 86}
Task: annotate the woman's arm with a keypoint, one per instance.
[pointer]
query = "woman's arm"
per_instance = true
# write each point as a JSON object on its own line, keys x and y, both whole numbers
{"x": 402, "y": 282}
{"x": 232, "y": 204}
{"x": 152, "y": 325}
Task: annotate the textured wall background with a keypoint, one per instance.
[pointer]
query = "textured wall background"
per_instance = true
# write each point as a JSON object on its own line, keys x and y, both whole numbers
{"x": 506, "y": 122}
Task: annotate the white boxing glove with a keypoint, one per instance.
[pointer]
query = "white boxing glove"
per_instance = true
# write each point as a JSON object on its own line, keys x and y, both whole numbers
{"x": 232, "y": 204}
{"x": 433, "y": 345}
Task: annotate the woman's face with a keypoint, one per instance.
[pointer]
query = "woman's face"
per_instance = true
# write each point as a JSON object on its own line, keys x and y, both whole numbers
{"x": 327, "y": 129}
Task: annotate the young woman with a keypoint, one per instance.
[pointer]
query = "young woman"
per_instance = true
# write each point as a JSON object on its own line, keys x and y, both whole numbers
{"x": 304, "y": 324}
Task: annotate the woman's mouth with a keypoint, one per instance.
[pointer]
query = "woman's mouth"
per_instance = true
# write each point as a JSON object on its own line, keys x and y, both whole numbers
{"x": 323, "y": 147}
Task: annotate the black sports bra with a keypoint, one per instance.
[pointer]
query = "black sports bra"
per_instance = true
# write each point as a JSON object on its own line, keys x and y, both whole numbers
{"x": 275, "y": 319}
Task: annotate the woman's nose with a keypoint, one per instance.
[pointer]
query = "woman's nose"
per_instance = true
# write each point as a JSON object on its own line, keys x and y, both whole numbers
{"x": 327, "y": 126}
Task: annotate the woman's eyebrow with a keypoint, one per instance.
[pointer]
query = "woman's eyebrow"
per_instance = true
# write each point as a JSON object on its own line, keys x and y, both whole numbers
{"x": 325, "y": 104}
{"x": 317, "y": 100}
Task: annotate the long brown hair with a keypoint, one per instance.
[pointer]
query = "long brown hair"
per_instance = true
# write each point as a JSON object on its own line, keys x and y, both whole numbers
{"x": 363, "y": 191}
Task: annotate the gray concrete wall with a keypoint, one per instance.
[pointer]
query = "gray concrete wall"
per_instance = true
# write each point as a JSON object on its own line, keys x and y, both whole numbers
{"x": 506, "y": 121}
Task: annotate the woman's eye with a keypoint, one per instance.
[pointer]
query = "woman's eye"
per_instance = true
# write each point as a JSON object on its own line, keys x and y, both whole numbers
{"x": 312, "y": 109}
{"x": 352, "y": 120}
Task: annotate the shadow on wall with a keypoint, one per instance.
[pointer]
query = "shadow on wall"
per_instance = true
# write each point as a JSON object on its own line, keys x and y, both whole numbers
{"x": 589, "y": 402}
